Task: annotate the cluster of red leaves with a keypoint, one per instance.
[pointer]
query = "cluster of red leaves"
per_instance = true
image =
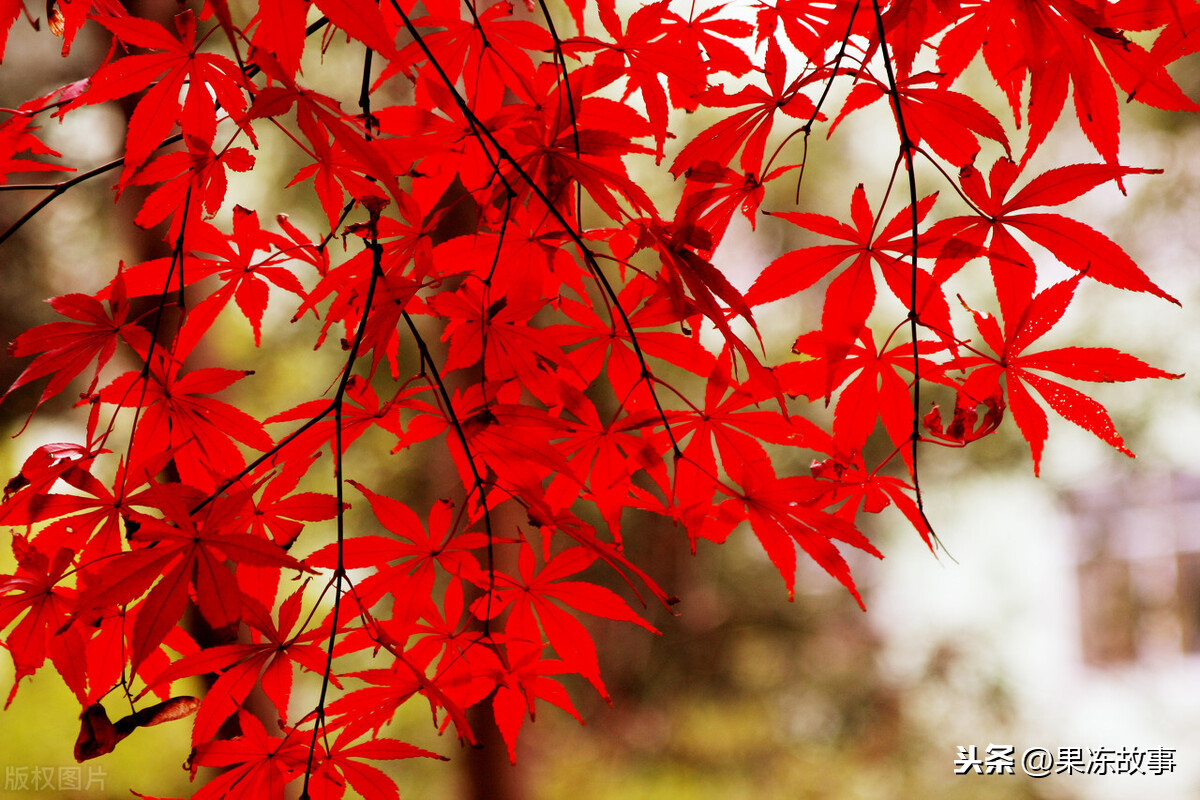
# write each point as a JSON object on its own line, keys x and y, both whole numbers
{"x": 483, "y": 139}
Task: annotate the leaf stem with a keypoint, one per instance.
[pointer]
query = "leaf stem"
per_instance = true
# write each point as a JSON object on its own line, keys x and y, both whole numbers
{"x": 906, "y": 147}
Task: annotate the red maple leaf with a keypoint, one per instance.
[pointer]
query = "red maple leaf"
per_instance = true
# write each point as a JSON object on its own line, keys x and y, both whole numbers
{"x": 197, "y": 170}
{"x": 269, "y": 661}
{"x": 535, "y": 599}
{"x": 520, "y": 684}
{"x": 855, "y": 488}
{"x": 489, "y": 51}
{"x": 16, "y": 140}
{"x": 256, "y": 764}
{"x": 409, "y": 554}
{"x": 187, "y": 553}
{"x": 786, "y": 512}
{"x": 874, "y": 385}
{"x": 1058, "y": 43}
{"x": 950, "y": 123}
{"x": 958, "y": 239}
{"x": 747, "y": 130}
{"x": 342, "y": 768}
{"x": 65, "y": 349}
{"x": 1021, "y": 371}
{"x": 176, "y": 69}
{"x": 176, "y": 416}
{"x": 35, "y": 596}
{"x": 850, "y": 297}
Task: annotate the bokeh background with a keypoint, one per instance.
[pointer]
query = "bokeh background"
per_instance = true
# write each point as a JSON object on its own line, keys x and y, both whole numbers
{"x": 1065, "y": 612}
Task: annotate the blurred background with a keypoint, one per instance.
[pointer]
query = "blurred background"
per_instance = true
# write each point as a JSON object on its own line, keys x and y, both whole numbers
{"x": 1064, "y": 614}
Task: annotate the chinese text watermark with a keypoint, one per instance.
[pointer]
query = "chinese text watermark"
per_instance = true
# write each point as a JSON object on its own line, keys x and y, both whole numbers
{"x": 1040, "y": 762}
{"x": 73, "y": 778}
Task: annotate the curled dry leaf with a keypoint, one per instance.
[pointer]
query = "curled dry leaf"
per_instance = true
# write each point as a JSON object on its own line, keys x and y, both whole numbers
{"x": 98, "y": 736}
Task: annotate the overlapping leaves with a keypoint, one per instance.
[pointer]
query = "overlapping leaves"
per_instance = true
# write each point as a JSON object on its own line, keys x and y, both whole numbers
{"x": 493, "y": 220}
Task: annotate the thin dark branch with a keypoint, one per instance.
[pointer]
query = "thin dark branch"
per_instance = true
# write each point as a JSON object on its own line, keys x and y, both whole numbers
{"x": 59, "y": 189}
{"x": 482, "y": 132}
{"x": 339, "y": 574}
{"x": 906, "y": 147}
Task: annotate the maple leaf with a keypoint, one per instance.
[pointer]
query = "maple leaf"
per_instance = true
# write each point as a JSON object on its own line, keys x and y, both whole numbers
{"x": 34, "y": 594}
{"x": 513, "y": 437}
{"x": 605, "y": 346}
{"x": 872, "y": 386}
{"x": 950, "y": 123}
{"x": 606, "y": 454}
{"x": 176, "y": 69}
{"x": 89, "y": 523}
{"x": 65, "y": 349}
{"x": 245, "y": 276}
{"x": 334, "y": 173}
{"x": 1057, "y": 44}
{"x": 530, "y": 599}
{"x": 1176, "y": 40}
{"x": 1021, "y": 371}
{"x": 852, "y": 485}
{"x": 414, "y": 549}
{"x": 488, "y": 52}
{"x": 198, "y": 169}
{"x": 523, "y": 682}
{"x": 394, "y": 290}
{"x": 10, "y": 11}
{"x": 725, "y": 421}
{"x": 280, "y": 512}
{"x": 67, "y": 18}
{"x": 496, "y": 336}
{"x": 186, "y": 553}
{"x": 812, "y": 28}
{"x": 280, "y": 32}
{"x": 850, "y": 297}
{"x": 786, "y": 512}
{"x": 176, "y": 416}
{"x": 17, "y": 139}
{"x": 41, "y": 469}
{"x": 373, "y": 706}
{"x": 559, "y": 142}
{"x": 644, "y": 54}
{"x": 437, "y": 139}
{"x": 342, "y": 768}
{"x": 268, "y": 662}
{"x": 362, "y": 20}
{"x": 710, "y": 33}
{"x": 361, "y": 410}
{"x": 692, "y": 283}
{"x": 1075, "y": 244}
{"x": 747, "y": 130}
{"x": 713, "y": 194}
{"x": 911, "y": 24}
{"x": 257, "y": 765}
{"x": 340, "y": 151}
